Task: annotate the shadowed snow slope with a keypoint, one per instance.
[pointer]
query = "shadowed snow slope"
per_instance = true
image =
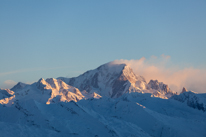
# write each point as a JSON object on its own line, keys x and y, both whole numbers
{"x": 110, "y": 101}
{"x": 4, "y": 93}
{"x": 196, "y": 101}
{"x": 133, "y": 114}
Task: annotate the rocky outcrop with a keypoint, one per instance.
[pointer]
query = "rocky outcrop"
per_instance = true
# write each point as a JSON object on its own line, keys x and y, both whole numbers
{"x": 161, "y": 88}
{"x": 184, "y": 90}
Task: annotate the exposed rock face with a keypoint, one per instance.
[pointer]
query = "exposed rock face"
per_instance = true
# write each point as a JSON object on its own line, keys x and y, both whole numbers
{"x": 184, "y": 90}
{"x": 112, "y": 80}
{"x": 154, "y": 84}
{"x": 161, "y": 88}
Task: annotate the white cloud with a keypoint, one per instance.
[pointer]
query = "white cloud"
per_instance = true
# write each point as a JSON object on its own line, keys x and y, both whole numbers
{"x": 156, "y": 68}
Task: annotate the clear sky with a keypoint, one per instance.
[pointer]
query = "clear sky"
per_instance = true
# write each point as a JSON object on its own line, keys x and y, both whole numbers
{"x": 52, "y": 38}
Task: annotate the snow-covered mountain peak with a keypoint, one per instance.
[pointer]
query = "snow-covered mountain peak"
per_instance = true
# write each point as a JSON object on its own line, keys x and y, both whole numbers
{"x": 111, "y": 67}
{"x": 122, "y": 71}
{"x": 54, "y": 83}
{"x": 109, "y": 101}
{"x": 133, "y": 78}
{"x": 114, "y": 80}
{"x": 110, "y": 79}
{"x": 46, "y": 91}
{"x": 42, "y": 84}
{"x": 41, "y": 81}
{"x": 50, "y": 83}
{"x": 18, "y": 86}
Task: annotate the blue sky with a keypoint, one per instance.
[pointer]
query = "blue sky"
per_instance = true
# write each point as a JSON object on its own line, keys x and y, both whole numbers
{"x": 65, "y": 38}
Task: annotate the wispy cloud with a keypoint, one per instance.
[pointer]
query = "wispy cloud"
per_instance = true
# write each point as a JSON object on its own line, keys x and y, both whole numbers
{"x": 29, "y": 70}
{"x": 157, "y": 68}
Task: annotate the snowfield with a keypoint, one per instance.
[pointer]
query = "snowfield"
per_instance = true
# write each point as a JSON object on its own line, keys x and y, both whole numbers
{"x": 110, "y": 101}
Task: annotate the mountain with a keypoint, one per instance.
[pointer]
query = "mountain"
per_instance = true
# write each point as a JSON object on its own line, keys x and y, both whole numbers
{"x": 19, "y": 86}
{"x": 111, "y": 80}
{"x": 154, "y": 116}
{"x": 184, "y": 90}
{"x": 110, "y": 101}
{"x": 5, "y": 93}
{"x": 114, "y": 80}
{"x": 161, "y": 89}
{"x": 196, "y": 101}
{"x": 45, "y": 91}
{"x": 133, "y": 114}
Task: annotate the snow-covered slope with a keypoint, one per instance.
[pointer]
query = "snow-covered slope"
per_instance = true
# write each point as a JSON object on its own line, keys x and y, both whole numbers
{"x": 19, "y": 86}
{"x": 114, "y": 80}
{"x": 134, "y": 114}
{"x": 111, "y": 80}
{"x": 194, "y": 100}
{"x": 155, "y": 116}
{"x": 110, "y": 101}
{"x": 44, "y": 91}
{"x": 6, "y": 96}
{"x": 57, "y": 90}
{"x": 5, "y": 93}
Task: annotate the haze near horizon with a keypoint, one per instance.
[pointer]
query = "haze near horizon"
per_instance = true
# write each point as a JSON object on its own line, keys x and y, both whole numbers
{"x": 162, "y": 40}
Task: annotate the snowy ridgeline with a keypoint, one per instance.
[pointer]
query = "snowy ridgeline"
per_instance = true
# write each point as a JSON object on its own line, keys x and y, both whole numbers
{"x": 110, "y": 101}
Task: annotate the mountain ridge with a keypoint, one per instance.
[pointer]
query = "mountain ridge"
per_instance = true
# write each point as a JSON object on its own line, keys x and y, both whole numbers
{"x": 113, "y": 79}
{"x": 110, "y": 100}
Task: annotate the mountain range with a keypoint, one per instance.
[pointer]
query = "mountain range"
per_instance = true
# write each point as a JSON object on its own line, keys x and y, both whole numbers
{"x": 110, "y": 100}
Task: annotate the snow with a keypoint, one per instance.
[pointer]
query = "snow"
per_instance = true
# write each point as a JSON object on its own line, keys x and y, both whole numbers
{"x": 113, "y": 80}
{"x": 192, "y": 99}
{"x": 4, "y": 93}
{"x": 108, "y": 101}
{"x": 19, "y": 86}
